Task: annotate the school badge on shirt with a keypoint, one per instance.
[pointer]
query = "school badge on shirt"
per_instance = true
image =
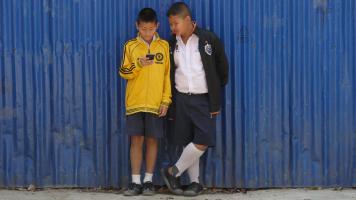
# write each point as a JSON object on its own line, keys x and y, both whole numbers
{"x": 208, "y": 49}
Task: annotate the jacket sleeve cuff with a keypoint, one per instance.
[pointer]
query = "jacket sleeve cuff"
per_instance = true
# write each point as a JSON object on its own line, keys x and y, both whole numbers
{"x": 164, "y": 103}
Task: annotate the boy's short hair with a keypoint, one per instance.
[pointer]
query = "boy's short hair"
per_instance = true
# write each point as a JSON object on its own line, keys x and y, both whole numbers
{"x": 179, "y": 8}
{"x": 147, "y": 15}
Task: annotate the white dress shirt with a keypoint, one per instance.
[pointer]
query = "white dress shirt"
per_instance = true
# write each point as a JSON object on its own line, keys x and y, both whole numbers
{"x": 190, "y": 74}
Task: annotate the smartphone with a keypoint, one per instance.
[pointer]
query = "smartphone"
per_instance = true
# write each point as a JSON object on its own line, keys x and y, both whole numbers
{"x": 150, "y": 56}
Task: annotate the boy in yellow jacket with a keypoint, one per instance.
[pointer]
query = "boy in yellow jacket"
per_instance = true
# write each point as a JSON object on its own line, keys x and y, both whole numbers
{"x": 146, "y": 67}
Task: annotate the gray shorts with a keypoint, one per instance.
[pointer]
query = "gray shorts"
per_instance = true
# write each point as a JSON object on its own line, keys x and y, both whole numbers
{"x": 144, "y": 124}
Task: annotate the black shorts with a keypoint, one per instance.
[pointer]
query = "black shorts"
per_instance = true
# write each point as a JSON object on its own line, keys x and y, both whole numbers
{"x": 192, "y": 121}
{"x": 144, "y": 124}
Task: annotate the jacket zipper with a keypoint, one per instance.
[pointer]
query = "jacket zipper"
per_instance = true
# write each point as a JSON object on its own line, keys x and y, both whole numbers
{"x": 148, "y": 82}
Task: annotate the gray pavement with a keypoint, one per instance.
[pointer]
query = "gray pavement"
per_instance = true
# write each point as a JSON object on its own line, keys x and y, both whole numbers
{"x": 270, "y": 194}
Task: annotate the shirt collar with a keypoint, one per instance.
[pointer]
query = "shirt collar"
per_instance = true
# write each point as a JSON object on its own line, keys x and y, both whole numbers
{"x": 179, "y": 38}
{"x": 196, "y": 33}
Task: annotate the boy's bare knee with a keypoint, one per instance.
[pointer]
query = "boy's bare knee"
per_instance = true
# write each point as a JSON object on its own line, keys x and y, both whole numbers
{"x": 137, "y": 140}
{"x": 151, "y": 140}
{"x": 201, "y": 147}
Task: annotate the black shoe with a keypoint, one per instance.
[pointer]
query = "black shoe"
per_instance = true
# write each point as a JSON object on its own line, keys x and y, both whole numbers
{"x": 148, "y": 189}
{"x": 193, "y": 189}
{"x": 133, "y": 190}
{"x": 173, "y": 183}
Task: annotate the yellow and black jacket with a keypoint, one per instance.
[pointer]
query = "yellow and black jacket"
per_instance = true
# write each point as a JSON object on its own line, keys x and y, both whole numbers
{"x": 148, "y": 87}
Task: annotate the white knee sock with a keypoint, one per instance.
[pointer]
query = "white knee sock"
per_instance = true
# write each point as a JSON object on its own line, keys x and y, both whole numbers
{"x": 189, "y": 155}
{"x": 148, "y": 177}
{"x": 136, "y": 178}
{"x": 193, "y": 172}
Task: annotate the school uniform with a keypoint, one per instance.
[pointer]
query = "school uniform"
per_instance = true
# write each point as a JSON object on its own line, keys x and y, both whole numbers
{"x": 199, "y": 70}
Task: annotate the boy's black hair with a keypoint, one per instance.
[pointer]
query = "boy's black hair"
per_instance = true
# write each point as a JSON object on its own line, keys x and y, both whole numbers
{"x": 147, "y": 15}
{"x": 179, "y": 8}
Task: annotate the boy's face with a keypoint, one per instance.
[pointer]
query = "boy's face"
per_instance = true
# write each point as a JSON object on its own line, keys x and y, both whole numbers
{"x": 147, "y": 29}
{"x": 179, "y": 25}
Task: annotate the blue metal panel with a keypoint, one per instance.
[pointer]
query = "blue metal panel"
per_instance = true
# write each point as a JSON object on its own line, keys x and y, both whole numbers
{"x": 288, "y": 117}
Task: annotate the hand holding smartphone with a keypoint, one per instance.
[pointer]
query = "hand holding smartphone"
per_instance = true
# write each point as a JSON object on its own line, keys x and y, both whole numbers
{"x": 150, "y": 56}
{"x": 147, "y": 60}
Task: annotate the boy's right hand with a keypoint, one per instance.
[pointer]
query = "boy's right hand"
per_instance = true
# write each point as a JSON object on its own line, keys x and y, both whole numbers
{"x": 145, "y": 61}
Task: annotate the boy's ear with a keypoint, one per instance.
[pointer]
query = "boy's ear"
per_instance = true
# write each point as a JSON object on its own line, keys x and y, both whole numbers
{"x": 187, "y": 18}
{"x": 157, "y": 25}
{"x": 136, "y": 25}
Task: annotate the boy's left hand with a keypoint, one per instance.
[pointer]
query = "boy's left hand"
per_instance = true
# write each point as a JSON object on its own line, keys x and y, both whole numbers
{"x": 162, "y": 111}
{"x": 213, "y": 114}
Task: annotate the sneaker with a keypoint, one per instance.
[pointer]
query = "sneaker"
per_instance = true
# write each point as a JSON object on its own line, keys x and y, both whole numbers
{"x": 173, "y": 183}
{"x": 133, "y": 190}
{"x": 148, "y": 189}
{"x": 193, "y": 189}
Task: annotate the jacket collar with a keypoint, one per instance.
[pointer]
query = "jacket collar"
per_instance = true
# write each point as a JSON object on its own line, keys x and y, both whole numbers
{"x": 197, "y": 31}
{"x": 155, "y": 38}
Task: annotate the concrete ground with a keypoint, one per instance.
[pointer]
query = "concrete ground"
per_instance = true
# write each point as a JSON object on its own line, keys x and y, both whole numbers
{"x": 270, "y": 194}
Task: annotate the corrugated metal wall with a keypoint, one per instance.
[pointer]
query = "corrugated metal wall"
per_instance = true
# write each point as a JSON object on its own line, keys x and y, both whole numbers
{"x": 289, "y": 112}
